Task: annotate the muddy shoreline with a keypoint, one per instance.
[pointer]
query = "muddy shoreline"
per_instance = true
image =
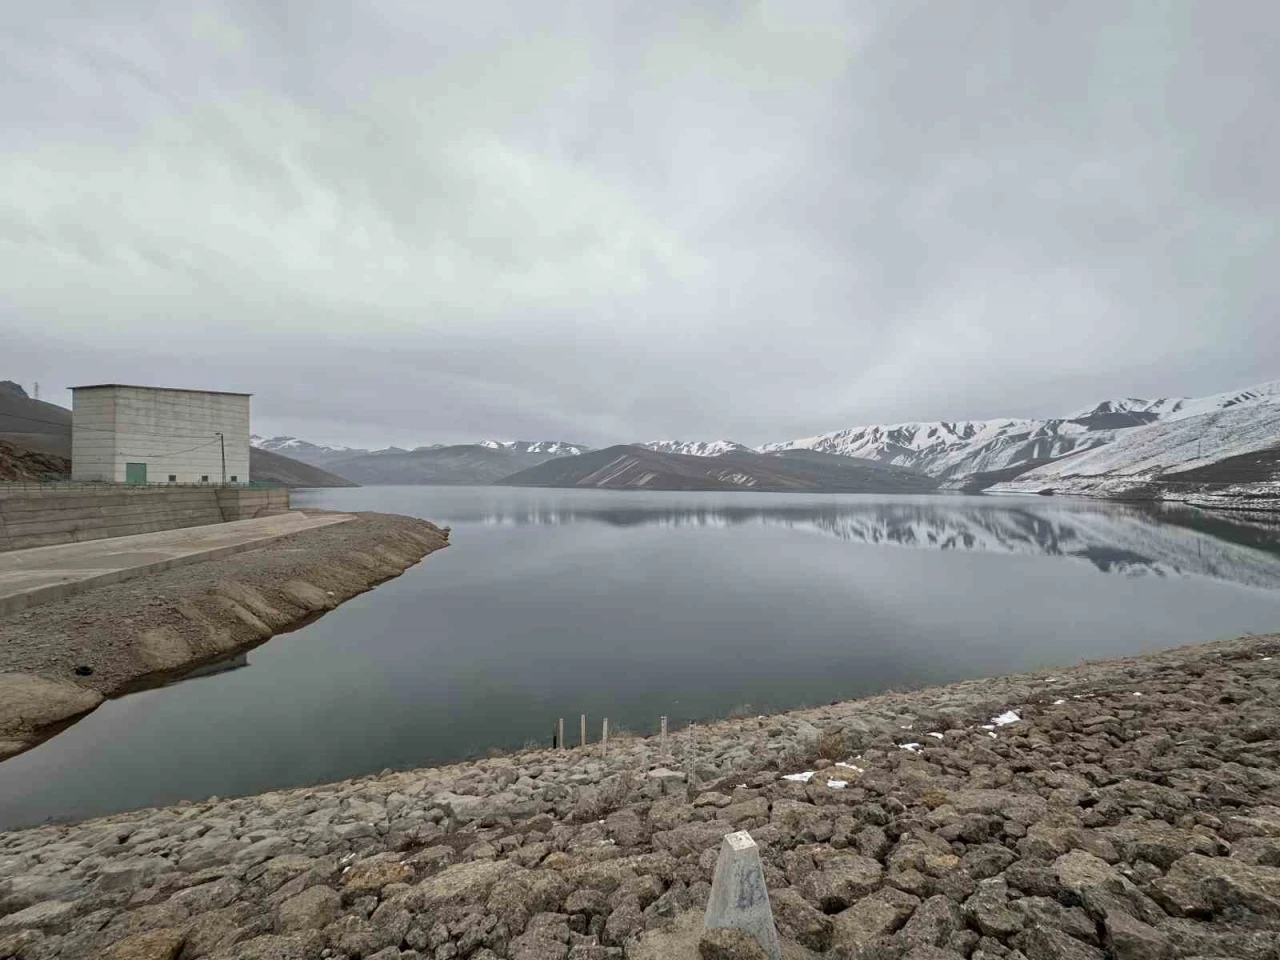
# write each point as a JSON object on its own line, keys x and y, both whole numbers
{"x": 60, "y": 660}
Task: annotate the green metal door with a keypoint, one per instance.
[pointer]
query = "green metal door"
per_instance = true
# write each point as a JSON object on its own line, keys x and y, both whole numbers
{"x": 135, "y": 473}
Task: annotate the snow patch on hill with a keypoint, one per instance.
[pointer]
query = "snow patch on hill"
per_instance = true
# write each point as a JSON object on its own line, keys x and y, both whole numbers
{"x": 557, "y": 448}
{"x": 1182, "y": 408}
{"x": 695, "y": 448}
{"x": 286, "y": 444}
{"x": 954, "y": 448}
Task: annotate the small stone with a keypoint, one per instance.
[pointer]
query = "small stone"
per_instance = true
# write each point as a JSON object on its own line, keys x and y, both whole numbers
{"x": 313, "y": 909}
{"x": 844, "y": 879}
{"x": 1077, "y": 871}
{"x": 51, "y": 915}
{"x": 799, "y": 920}
{"x": 933, "y": 923}
{"x": 1131, "y": 939}
{"x": 1046, "y": 943}
{"x": 989, "y": 911}
{"x": 878, "y": 915}
{"x": 534, "y": 947}
{"x": 370, "y": 876}
{"x": 153, "y": 945}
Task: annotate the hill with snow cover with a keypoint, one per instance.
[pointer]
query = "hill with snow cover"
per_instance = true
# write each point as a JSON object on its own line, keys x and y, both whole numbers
{"x": 1127, "y": 436}
{"x": 953, "y": 449}
{"x": 637, "y": 467}
{"x": 317, "y": 454}
{"x": 396, "y": 465}
{"x": 695, "y": 448}
{"x": 1208, "y": 445}
{"x": 555, "y": 448}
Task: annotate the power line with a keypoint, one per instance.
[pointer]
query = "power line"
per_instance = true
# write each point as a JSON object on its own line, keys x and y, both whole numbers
{"x": 132, "y": 453}
{"x": 136, "y": 433}
{"x": 166, "y": 453}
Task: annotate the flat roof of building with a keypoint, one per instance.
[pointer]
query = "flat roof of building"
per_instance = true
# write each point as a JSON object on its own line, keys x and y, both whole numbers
{"x": 138, "y": 386}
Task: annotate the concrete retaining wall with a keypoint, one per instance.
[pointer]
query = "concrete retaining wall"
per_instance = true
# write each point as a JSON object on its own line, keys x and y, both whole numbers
{"x": 42, "y": 517}
{"x": 241, "y": 503}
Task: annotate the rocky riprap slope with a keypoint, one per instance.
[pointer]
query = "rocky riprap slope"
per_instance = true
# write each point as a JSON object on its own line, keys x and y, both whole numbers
{"x": 1132, "y": 811}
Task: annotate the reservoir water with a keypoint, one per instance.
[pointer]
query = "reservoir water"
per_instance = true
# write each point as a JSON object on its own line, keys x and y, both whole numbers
{"x": 553, "y": 603}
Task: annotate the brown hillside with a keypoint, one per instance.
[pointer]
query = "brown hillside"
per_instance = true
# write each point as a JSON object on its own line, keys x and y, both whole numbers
{"x": 19, "y": 464}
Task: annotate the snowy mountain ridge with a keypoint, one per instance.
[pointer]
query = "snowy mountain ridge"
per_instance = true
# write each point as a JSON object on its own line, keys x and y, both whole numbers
{"x": 1180, "y": 408}
{"x": 286, "y": 444}
{"x": 558, "y": 448}
{"x": 695, "y": 448}
{"x": 1170, "y": 450}
{"x": 956, "y": 449}
{"x": 949, "y": 449}
{"x": 296, "y": 446}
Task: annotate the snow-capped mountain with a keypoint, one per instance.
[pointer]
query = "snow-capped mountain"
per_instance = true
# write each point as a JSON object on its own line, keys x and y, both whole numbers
{"x": 292, "y": 446}
{"x": 1191, "y": 445}
{"x": 557, "y": 448}
{"x": 952, "y": 449}
{"x": 1116, "y": 446}
{"x": 694, "y": 448}
{"x": 958, "y": 449}
{"x": 1180, "y": 408}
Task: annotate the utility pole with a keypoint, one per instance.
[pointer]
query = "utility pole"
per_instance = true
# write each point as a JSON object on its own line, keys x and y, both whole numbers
{"x": 222, "y": 442}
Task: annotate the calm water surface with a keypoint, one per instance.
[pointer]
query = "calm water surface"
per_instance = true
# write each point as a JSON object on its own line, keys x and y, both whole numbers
{"x": 553, "y": 603}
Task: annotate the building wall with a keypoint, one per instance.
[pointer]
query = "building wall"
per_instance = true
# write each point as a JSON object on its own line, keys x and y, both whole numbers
{"x": 171, "y": 431}
{"x": 93, "y": 435}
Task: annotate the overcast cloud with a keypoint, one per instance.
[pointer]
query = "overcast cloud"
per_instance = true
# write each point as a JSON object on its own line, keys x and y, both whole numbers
{"x": 408, "y": 222}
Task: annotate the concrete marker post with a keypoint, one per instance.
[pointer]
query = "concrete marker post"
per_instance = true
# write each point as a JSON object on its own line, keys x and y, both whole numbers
{"x": 739, "y": 898}
{"x": 691, "y": 760}
{"x": 663, "y": 742}
{"x": 582, "y": 730}
{"x": 560, "y": 735}
{"x": 604, "y": 739}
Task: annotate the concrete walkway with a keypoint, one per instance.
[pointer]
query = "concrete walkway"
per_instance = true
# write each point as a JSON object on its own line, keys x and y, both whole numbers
{"x": 30, "y": 577}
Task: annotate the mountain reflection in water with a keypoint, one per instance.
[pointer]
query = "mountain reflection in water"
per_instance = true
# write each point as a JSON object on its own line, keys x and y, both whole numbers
{"x": 1115, "y": 538}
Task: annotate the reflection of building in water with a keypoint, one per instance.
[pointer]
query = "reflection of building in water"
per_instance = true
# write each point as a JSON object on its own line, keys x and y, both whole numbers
{"x": 1133, "y": 541}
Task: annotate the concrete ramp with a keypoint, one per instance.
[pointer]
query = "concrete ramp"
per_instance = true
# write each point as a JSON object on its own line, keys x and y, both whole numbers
{"x": 31, "y": 577}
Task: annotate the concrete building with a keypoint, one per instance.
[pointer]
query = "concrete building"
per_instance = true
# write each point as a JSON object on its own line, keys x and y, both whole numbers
{"x": 130, "y": 434}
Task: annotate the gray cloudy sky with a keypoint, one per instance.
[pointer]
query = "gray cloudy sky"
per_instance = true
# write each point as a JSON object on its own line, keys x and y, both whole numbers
{"x": 417, "y": 221}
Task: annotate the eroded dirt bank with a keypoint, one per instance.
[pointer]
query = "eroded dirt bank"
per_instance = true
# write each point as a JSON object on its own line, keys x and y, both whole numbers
{"x": 166, "y": 621}
{"x": 1120, "y": 810}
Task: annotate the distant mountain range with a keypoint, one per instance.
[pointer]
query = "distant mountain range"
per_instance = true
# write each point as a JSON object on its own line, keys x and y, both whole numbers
{"x": 696, "y": 448}
{"x": 1222, "y": 449}
{"x": 639, "y": 467}
{"x": 456, "y": 464}
{"x": 1165, "y": 447}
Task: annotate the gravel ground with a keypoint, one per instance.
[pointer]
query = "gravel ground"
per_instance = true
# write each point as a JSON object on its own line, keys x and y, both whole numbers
{"x": 166, "y": 621}
{"x": 1120, "y": 810}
